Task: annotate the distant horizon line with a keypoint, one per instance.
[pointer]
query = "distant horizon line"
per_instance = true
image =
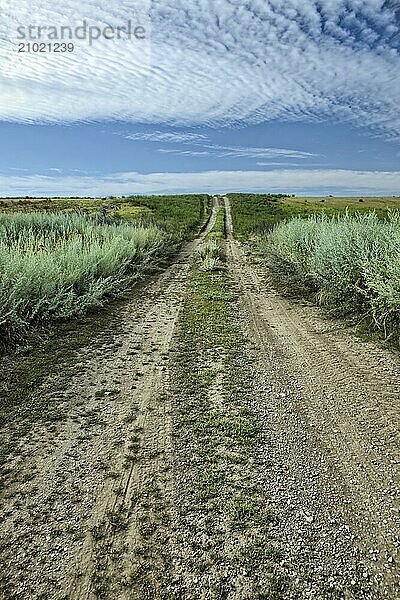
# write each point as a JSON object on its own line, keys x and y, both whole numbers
{"x": 198, "y": 194}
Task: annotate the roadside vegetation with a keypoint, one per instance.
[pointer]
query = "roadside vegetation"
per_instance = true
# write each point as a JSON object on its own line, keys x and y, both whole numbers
{"x": 178, "y": 216}
{"x": 60, "y": 257}
{"x": 56, "y": 266}
{"x": 349, "y": 262}
{"x": 256, "y": 214}
{"x": 342, "y": 253}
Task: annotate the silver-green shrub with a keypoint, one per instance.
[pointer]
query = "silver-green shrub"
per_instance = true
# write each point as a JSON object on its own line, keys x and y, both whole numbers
{"x": 210, "y": 255}
{"x": 57, "y": 265}
{"x": 352, "y": 260}
{"x": 211, "y": 248}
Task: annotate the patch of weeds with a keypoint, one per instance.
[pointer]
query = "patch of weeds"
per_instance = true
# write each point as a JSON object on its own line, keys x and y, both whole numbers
{"x": 217, "y": 436}
{"x": 246, "y": 511}
{"x": 117, "y": 520}
{"x": 98, "y": 531}
{"x": 256, "y": 552}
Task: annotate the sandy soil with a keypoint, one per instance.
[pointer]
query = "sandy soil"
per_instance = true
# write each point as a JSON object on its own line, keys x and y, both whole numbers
{"x": 85, "y": 491}
{"x": 333, "y": 403}
{"x": 68, "y": 509}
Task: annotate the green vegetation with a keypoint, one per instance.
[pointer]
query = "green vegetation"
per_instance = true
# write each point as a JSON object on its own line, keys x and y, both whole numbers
{"x": 349, "y": 262}
{"x": 68, "y": 257}
{"x": 179, "y": 216}
{"x": 256, "y": 214}
{"x": 55, "y": 265}
{"x": 341, "y": 252}
{"x": 210, "y": 252}
{"x": 217, "y": 434}
{"x": 218, "y": 232}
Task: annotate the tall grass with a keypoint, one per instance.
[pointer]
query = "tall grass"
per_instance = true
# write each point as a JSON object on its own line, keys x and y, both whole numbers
{"x": 210, "y": 252}
{"x": 256, "y": 214}
{"x": 352, "y": 263}
{"x": 54, "y": 266}
{"x": 179, "y": 216}
{"x": 210, "y": 255}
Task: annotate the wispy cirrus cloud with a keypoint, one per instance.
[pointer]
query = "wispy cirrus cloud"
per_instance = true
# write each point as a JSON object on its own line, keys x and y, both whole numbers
{"x": 184, "y": 152}
{"x": 212, "y": 62}
{"x": 254, "y": 152}
{"x": 287, "y": 164}
{"x": 300, "y": 181}
{"x": 167, "y": 136}
{"x": 198, "y": 140}
{"x": 218, "y": 151}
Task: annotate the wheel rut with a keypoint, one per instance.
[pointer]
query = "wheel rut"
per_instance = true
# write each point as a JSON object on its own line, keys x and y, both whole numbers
{"x": 100, "y": 502}
{"x": 337, "y": 402}
{"x": 71, "y": 506}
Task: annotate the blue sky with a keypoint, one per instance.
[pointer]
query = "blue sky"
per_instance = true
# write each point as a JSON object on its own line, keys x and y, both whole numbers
{"x": 296, "y": 95}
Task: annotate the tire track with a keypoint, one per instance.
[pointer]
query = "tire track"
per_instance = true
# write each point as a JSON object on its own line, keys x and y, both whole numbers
{"x": 71, "y": 513}
{"x": 345, "y": 394}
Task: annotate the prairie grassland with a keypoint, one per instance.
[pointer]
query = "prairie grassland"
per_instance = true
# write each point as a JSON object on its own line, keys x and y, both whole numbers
{"x": 350, "y": 263}
{"x": 255, "y": 214}
{"x": 61, "y": 256}
{"x": 179, "y": 216}
{"x": 57, "y": 265}
{"x": 341, "y": 252}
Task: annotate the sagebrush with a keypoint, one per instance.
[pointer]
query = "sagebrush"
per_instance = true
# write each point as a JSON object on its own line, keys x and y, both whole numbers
{"x": 57, "y": 265}
{"x": 351, "y": 261}
{"x": 210, "y": 252}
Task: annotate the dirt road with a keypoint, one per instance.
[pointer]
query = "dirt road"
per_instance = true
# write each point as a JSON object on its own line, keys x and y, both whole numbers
{"x": 333, "y": 404}
{"x": 67, "y": 510}
{"x": 103, "y": 500}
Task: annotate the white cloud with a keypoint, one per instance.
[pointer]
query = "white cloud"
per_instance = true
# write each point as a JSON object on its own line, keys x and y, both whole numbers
{"x": 245, "y": 152}
{"x": 163, "y": 136}
{"x": 300, "y": 181}
{"x": 199, "y": 139}
{"x": 216, "y": 150}
{"x": 184, "y": 152}
{"x": 212, "y": 62}
{"x": 286, "y": 164}
{"x": 239, "y": 152}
